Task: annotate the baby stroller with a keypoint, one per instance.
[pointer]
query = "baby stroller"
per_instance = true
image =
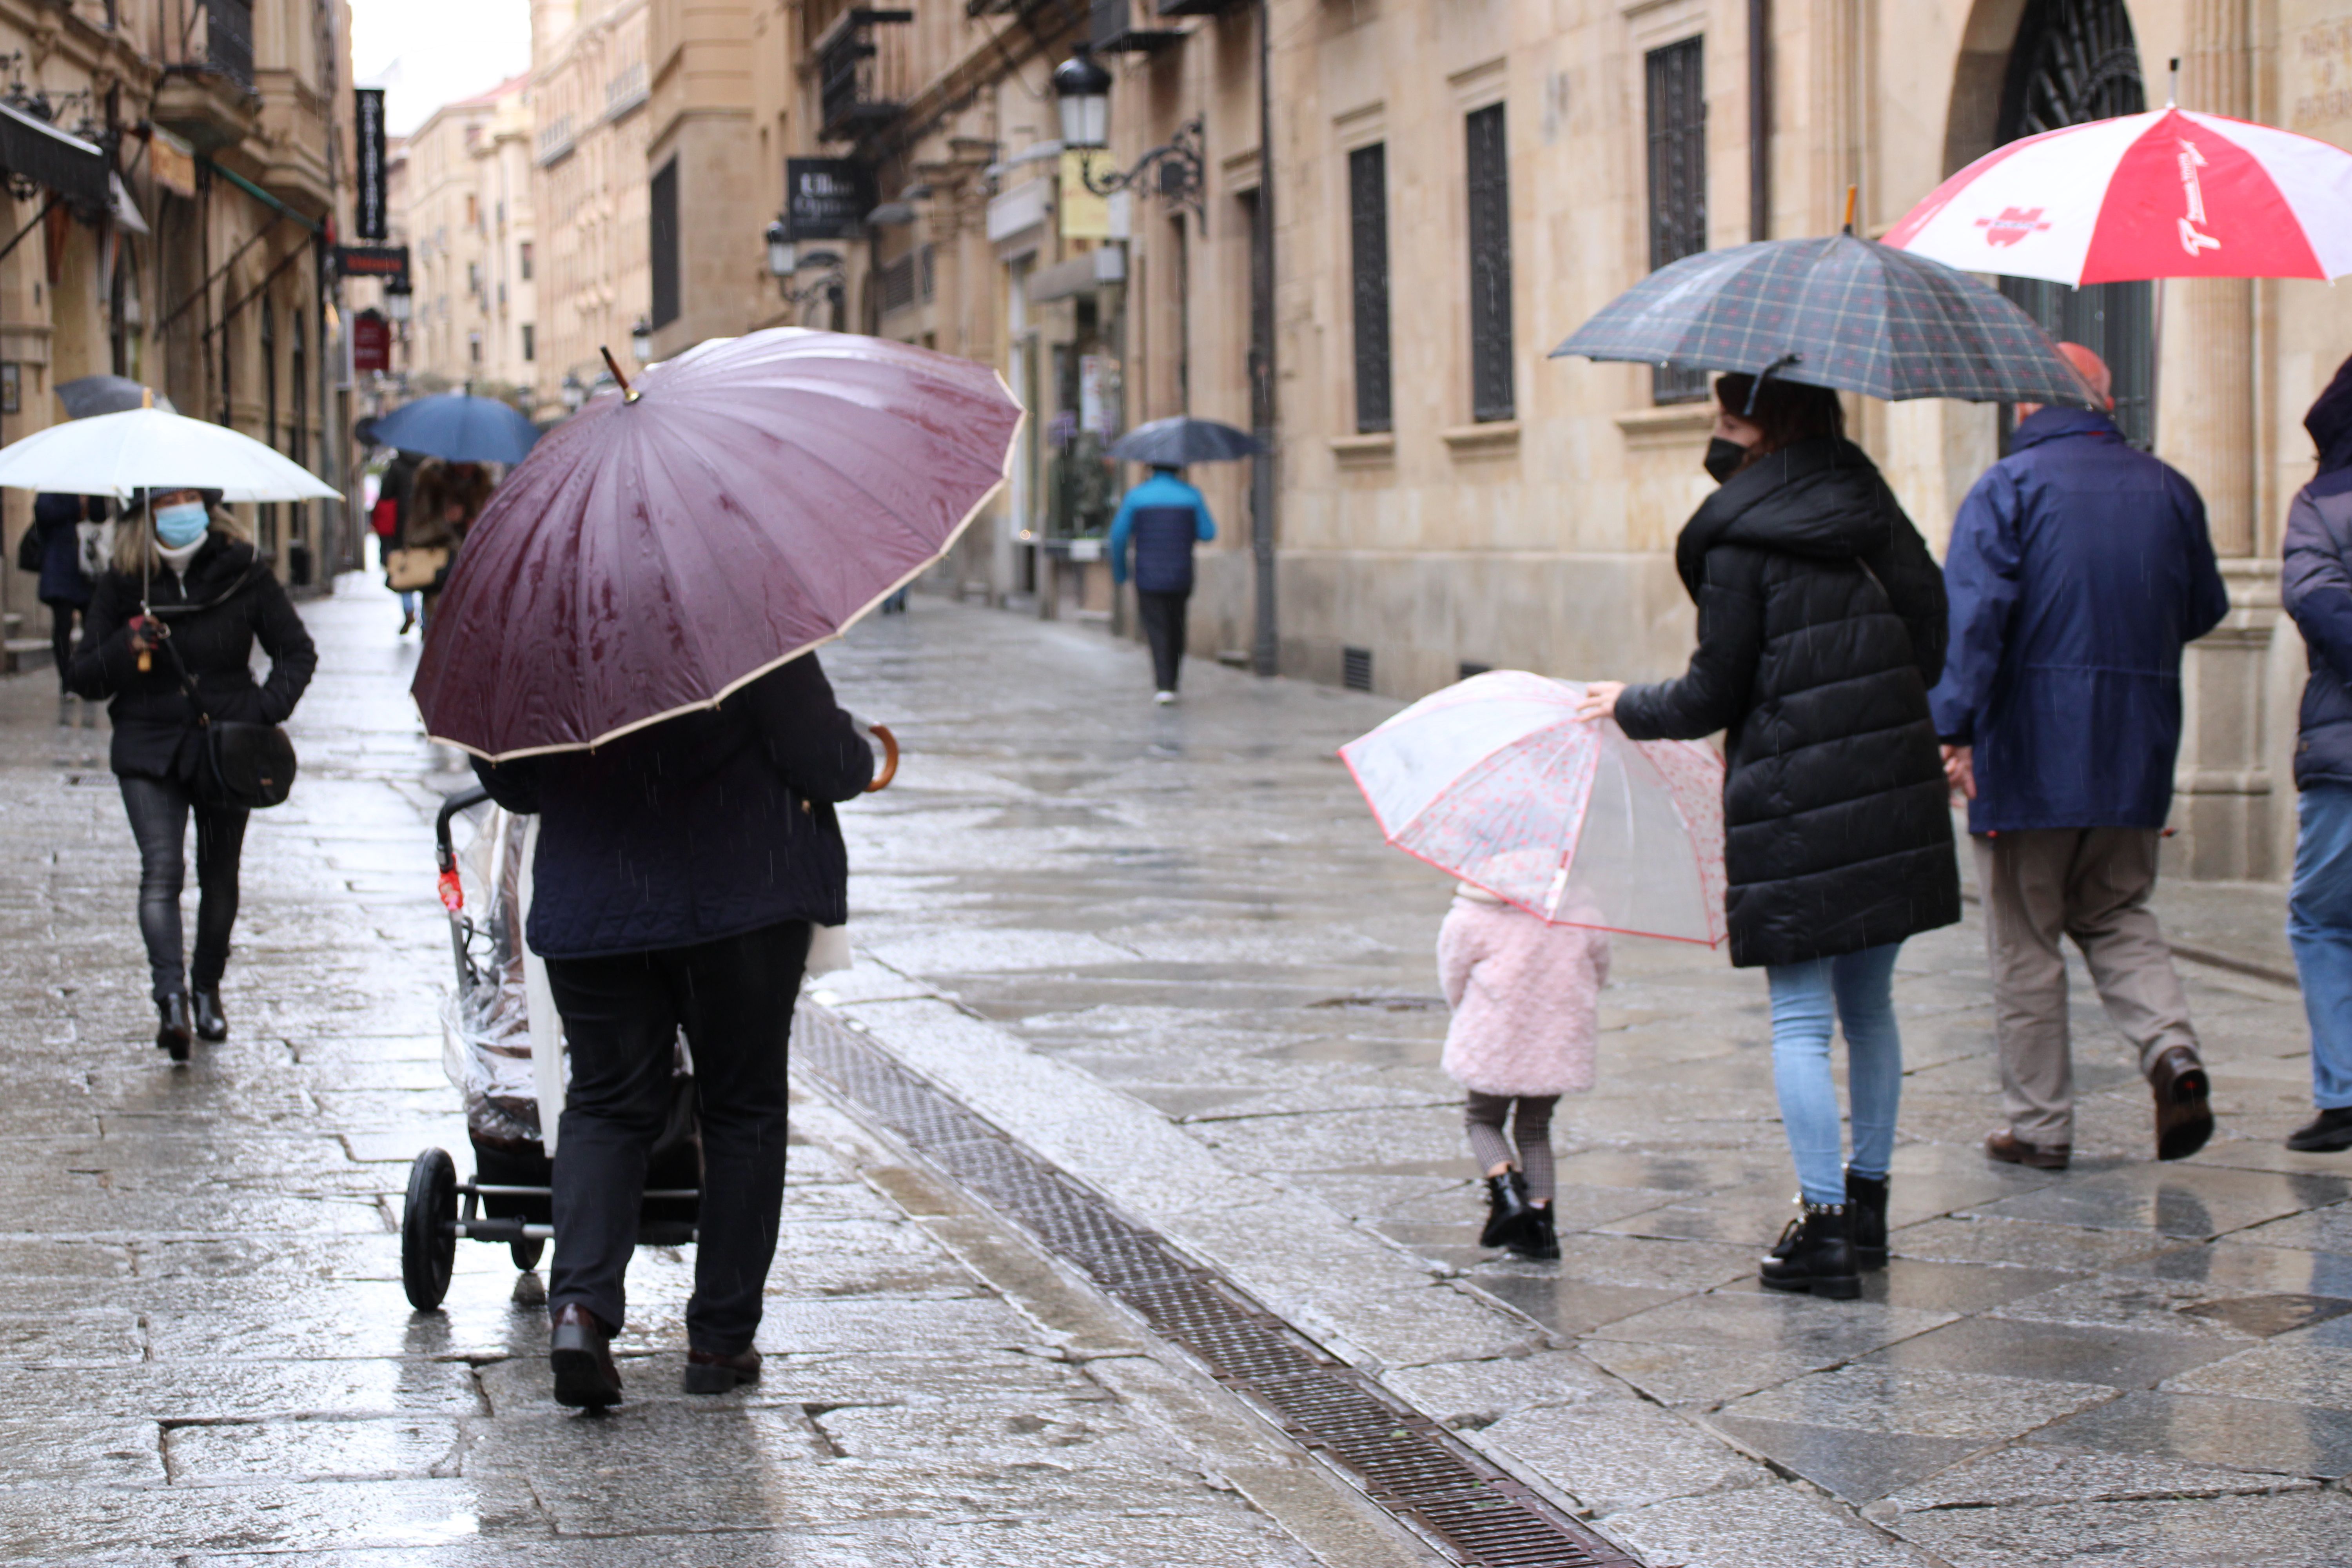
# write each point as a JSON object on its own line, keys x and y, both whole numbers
{"x": 501, "y": 1011}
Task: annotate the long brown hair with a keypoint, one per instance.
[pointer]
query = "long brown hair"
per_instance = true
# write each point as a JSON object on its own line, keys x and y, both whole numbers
{"x": 438, "y": 484}
{"x": 1786, "y": 412}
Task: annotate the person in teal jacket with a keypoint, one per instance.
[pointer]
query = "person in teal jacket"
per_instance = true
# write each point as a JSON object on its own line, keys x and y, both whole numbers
{"x": 1164, "y": 518}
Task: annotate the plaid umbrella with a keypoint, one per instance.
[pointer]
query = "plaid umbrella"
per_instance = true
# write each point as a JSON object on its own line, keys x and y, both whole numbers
{"x": 1840, "y": 311}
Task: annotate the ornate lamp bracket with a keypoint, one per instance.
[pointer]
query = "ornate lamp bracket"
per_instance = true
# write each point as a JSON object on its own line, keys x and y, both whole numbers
{"x": 1182, "y": 166}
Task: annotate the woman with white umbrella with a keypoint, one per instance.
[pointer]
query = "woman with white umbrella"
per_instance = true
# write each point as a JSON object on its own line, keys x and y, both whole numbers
{"x": 187, "y": 598}
{"x": 169, "y": 638}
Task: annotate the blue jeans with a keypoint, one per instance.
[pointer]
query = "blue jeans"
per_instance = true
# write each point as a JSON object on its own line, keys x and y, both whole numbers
{"x": 2319, "y": 929}
{"x": 1809, "y": 1002}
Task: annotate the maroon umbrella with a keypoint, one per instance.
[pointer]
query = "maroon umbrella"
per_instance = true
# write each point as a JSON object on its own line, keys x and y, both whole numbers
{"x": 741, "y": 504}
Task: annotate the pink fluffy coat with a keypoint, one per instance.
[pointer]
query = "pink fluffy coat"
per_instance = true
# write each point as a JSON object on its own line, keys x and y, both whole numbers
{"x": 1526, "y": 998}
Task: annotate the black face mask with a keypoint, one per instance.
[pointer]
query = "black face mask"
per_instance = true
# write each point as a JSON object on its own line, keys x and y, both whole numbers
{"x": 1723, "y": 458}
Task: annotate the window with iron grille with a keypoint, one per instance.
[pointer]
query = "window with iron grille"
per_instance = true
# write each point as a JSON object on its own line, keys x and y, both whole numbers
{"x": 1368, "y": 228}
{"x": 1675, "y": 99}
{"x": 1492, "y": 395}
{"x": 228, "y": 40}
{"x": 928, "y": 258}
{"x": 898, "y": 282}
{"x": 662, "y": 231}
{"x": 1356, "y": 668}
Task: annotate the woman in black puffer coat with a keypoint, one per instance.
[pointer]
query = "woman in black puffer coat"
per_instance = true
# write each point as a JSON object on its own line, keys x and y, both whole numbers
{"x": 1821, "y": 626}
{"x": 212, "y": 597}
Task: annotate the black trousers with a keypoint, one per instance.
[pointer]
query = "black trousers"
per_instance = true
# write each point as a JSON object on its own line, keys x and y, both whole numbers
{"x": 621, "y": 1017}
{"x": 159, "y": 810}
{"x": 1163, "y": 627}
{"x": 61, "y": 636}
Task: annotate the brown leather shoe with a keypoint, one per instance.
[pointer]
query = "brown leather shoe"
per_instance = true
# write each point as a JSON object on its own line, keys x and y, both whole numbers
{"x": 581, "y": 1352}
{"x": 2184, "y": 1113}
{"x": 707, "y": 1372}
{"x": 2010, "y": 1149}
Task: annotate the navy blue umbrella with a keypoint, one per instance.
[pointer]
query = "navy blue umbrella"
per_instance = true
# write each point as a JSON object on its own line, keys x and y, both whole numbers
{"x": 1173, "y": 442}
{"x": 1840, "y": 311}
{"x": 458, "y": 428}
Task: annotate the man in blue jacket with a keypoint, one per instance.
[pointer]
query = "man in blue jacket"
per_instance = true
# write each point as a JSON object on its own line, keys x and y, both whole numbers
{"x": 2078, "y": 569}
{"x": 1165, "y": 518}
{"x": 2318, "y": 593}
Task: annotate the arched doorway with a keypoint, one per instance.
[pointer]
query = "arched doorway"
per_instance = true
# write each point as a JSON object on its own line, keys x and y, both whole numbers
{"x": 2074, "y": 60}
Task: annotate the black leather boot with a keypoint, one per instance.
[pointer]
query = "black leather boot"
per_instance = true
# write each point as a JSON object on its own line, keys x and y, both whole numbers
{"x": 1815, "y": 1255}
{"x": 173, "y": 1031}
{"x": 1536, "y": 1240}
{"x": 1507, "y": 1210}
{"x": 581, "y": 1353}
{"x": 212, "y": 1024}
{"x": 1866, "y": 1196}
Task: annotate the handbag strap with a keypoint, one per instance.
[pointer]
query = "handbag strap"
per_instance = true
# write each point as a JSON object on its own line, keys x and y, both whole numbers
{"x": 187, "y": 683}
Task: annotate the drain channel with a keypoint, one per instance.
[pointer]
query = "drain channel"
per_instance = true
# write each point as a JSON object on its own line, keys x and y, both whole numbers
{"x": 1409, "y": 1466}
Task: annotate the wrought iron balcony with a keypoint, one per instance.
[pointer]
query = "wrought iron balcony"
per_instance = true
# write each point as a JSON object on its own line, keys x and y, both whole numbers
{"x": 228, "y": 40}
{"x": 861, "y": 84}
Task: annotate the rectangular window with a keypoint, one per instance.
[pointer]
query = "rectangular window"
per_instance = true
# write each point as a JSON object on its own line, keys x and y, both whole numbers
{"x": 1675, "y": 110}
{"x": 474, "y": 347}
{"x": 1492, "y": 393}
{"x": 529, "y": 343}
{"x": 523, "y": 259}
{"x": 473, "y": 211}
{"x": 663, "y": 227}
{"x": 1368, "y": 229}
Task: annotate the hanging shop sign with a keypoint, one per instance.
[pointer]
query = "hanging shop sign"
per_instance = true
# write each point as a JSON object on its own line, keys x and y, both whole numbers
{"x": 386, "y": 261}
{"x": 371, "y": 341}
{"x": 371, "y": 212}
{"x": 174, "y": 163}
{"x": 827, "y": 198}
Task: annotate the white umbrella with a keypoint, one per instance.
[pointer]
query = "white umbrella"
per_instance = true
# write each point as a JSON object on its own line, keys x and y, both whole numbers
{"x": 146, "y": 448}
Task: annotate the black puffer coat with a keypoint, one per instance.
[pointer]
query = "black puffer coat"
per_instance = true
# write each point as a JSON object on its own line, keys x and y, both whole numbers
{"x": 228, "y": 601}
{"x": 1821, "y": 625}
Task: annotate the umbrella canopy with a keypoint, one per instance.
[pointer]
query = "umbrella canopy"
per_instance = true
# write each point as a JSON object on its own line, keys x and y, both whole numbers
{"x": 1495, "y": 781}
{"x": 87, "y": 395}
{"x": 747, "y": 501}
{"x": 1174, "y": 442}
{"x": 146, "y": 448}
{"x": 2164, "y": 195}
{"x": 1840, "y": 311}
{"x": 458, "y": 428}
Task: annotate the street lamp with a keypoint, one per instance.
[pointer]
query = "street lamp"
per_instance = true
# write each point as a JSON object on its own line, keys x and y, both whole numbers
{"x": 782, "y": 257}
{"x": 397, "y": 301}
{"x": 1083, "y": 90}
{"x": 641, "y": 340}
{"x": 575, "y": 393}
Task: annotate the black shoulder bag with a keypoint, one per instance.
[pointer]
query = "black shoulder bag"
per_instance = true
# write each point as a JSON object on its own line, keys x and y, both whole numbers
{"x": 250, "y": 766}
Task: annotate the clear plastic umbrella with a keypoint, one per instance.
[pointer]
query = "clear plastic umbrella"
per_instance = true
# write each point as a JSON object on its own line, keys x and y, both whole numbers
{"x": 1495, "y": 782}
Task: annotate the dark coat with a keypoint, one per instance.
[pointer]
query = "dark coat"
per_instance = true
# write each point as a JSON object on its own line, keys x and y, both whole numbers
{"x": 1820, "y": 626}
{"x": 229, "y": 601}
{"x": 698, "y": 827}
{"x": 2078, "y": 568}
{"x": 56, "y": 518}
{"x": 2316, "y": 589}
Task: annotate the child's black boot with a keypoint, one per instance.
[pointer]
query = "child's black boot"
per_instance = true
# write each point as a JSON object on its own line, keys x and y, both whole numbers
{"x": 1536, "y": 1240}
{"x": 1507, "y": 1210}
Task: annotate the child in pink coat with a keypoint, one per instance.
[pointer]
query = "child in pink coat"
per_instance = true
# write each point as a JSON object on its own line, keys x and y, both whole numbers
{"x": 1526, "y": 996}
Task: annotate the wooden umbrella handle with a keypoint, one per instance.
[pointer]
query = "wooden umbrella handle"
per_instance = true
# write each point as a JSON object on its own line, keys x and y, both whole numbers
{"x": 889, "y": 758}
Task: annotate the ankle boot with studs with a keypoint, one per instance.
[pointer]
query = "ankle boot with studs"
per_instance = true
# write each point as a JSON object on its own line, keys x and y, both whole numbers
{"x": 1866, "y": 1196}
{"x": 1507, "y": 1210}
{"x": 1815, "y": 1256}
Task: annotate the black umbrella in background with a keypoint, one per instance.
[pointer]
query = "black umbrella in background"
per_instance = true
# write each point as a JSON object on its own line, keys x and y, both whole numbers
{"x": 89, "y": 394}
{"x": 1178, "y": 442}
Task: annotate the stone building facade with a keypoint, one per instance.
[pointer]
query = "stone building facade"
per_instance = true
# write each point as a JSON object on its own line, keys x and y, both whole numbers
{"x": 464, "y": 198}
{"x": 590, "y": 87}
{"x": 223, "y": 128}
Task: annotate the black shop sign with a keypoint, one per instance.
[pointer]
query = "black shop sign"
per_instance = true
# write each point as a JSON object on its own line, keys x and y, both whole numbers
{"x": 827, "y": 198}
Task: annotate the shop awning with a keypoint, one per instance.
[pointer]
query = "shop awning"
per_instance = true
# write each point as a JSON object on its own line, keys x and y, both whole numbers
{"x": 34, "y": 150}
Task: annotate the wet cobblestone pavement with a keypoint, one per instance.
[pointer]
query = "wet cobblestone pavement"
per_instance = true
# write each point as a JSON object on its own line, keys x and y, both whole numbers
{"x": 1165, "y": 949}
{"x": 205, "y": 1356}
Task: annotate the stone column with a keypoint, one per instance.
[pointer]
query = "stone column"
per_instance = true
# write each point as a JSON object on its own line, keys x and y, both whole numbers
{"x": 2224, "y": 791}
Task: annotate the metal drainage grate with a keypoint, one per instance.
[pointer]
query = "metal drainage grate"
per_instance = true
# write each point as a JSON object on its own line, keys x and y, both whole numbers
{"x": 1412, "y": 1468}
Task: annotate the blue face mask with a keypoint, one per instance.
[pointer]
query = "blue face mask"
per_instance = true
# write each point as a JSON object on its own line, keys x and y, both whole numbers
{"x": 180, "y": 525}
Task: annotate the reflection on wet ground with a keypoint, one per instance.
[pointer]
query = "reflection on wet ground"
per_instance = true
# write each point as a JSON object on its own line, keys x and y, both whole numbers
{"x": 1190, "y": 907}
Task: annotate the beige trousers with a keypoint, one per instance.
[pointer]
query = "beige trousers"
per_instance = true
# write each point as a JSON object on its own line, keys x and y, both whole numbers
{"x": 2091, "y": 884}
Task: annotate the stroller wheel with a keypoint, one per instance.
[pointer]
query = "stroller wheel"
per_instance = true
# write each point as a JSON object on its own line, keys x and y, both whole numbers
{"x": 526, "y": 1252}
{"x": 428, "y": 1236}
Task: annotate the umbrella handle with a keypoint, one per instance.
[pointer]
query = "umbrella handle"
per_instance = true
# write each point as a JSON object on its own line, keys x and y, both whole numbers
{"x": 889, "y": 758}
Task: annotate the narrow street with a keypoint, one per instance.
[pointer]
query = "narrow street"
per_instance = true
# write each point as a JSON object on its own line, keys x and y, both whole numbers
{"x": 1164, "y": 950}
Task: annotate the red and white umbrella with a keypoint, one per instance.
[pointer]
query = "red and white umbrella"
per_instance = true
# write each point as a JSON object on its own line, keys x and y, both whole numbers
{"x": 2163, "y": 195}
